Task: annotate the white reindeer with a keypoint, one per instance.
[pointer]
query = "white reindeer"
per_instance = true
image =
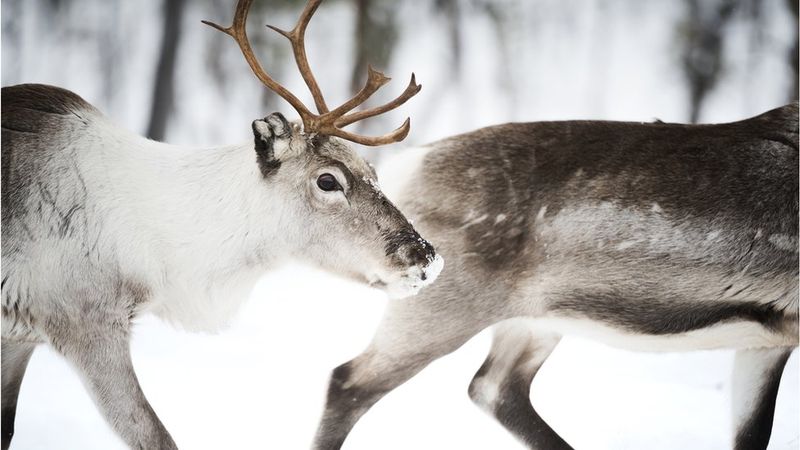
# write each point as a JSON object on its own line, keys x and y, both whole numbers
{"x": 647, "y": 236}
{"x": 100, "y": 225}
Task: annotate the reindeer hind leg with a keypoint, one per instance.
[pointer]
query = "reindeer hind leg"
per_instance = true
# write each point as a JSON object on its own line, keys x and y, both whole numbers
{"x": 502, "y": 384}
{"x": 756, "y": 377}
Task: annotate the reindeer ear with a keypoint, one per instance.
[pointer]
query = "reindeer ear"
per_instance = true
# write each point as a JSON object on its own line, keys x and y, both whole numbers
{"x": 273, "y": 137}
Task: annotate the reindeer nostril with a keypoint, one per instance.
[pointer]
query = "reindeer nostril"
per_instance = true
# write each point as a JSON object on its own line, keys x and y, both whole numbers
{"x": 409, "y": 248}
{"x": 424, "y": 276}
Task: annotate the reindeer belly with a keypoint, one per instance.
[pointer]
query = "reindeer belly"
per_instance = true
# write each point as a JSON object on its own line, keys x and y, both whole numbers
{"x": 655, "y": 309}
{"x": 735, "y": 334}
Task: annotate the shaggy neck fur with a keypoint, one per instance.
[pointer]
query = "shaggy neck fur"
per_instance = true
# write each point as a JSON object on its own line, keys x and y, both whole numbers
{"x": 197, "y": 225}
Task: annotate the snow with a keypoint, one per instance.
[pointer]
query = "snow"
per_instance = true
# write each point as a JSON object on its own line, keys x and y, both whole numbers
{"x": 262, "y": 384}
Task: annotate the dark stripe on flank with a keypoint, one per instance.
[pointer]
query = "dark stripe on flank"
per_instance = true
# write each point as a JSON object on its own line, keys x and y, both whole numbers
{"x": 662, "y": 317}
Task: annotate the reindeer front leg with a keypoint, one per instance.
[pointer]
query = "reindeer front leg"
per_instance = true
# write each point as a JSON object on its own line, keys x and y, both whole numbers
{"x": 756, "y": 377}
{"x": 15, "y": 357}
{"x": 389, "y": 361}
{"x": 411, "y": 335}
{"x": 104, "y": 363}
{"x": 97, "y": 345}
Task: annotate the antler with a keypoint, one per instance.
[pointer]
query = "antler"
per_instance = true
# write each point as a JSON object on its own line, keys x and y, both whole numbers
{"x": 327, "y": 122}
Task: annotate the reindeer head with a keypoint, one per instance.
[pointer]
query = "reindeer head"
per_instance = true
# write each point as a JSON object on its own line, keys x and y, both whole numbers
{"x": 349, "y": 226}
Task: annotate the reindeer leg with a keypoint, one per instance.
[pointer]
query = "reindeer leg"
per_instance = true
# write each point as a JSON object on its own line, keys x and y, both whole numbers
{"x": 105, "y": 366}
{"x": 92, "y": 332}
{"x": 15, "y": 357}
{"x": 413, "y": 333}
{"x": 351, "y": 392}
{"x": 502, "y": 384}
{"x": 756, "y": 377}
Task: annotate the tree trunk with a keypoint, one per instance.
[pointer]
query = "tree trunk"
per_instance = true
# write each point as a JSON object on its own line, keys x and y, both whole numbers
{"x": 361, "y": 51}
{"x": 163, "y": 91}
{"x": 375, "y": 38}
{"x": 793, "y": 52}
{"x": 702, "y": 48}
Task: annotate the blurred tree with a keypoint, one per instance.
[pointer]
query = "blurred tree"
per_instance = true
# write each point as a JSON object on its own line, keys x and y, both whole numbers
{"x": 223, "y": 59}
{"x": 793, "y": 51}
{"x": 216, "y": 45}
{"x": 452, "y": 14}
{"x": 164, "y": 91}
{"x": 12, "y": 35}
{"x": 374, "y": 39}
{"x": 702, "y": 38}
{"x": 500, "y": 14}
{"x": 109, "y": 49}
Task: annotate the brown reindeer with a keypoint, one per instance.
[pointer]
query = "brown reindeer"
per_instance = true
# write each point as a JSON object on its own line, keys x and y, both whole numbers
{"x": 647, "y": 236}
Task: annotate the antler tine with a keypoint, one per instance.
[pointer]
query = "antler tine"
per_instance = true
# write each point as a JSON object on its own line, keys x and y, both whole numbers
{"x": 375, "y": 80}
{"x": 297, "y": 39}
{"x": 411, "y": 90}
{"x": 389, "y": 138}
{"x": 239, "y": 34}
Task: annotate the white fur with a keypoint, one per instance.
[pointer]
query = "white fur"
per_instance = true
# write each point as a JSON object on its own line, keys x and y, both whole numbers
{"x": 395, "y": 172}
{"x": 188, "y": 221}
{"x": 411, "y": 281}
{"x": 784, "y": 242}
{"x": 188, "y": 224}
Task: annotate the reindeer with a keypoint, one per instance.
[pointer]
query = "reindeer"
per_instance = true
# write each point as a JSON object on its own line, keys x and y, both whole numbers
{"x": 646, "y": 236}
{"x": 101, "y": 225}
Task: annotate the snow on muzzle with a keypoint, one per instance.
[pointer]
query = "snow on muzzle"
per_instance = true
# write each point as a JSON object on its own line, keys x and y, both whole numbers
{"x": 416, "y": 262}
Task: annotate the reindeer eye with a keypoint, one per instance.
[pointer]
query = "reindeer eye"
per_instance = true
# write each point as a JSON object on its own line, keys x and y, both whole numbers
{"x": 327, "y": 182}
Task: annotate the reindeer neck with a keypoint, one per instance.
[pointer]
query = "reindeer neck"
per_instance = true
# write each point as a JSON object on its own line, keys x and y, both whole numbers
{"x": 202, "y": 205}
{"x": 212, "y": 224}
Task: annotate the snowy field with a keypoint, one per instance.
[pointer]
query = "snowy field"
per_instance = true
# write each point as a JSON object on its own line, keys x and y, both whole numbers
{"x": 262, "y": 383}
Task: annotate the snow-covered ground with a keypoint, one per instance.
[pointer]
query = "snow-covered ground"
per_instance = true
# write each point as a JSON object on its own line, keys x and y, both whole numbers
{"x": 262, "y": 384}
